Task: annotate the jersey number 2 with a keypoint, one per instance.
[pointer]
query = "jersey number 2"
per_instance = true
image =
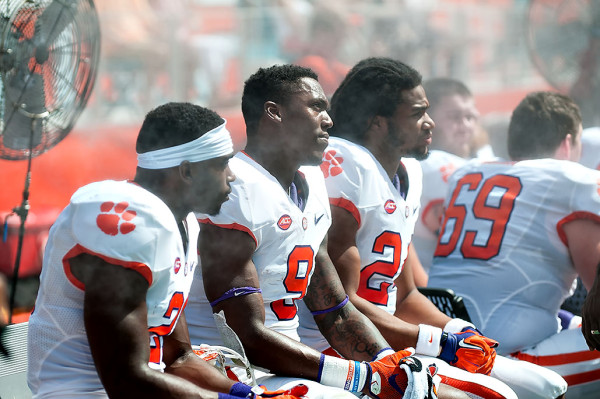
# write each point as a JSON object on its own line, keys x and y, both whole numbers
{"x": 366, "y": 290}
{"x": 497, "y": 213}
{"x": 299, "y": 266}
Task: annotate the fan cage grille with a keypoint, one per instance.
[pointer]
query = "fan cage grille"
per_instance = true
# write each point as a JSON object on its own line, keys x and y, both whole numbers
{"x": 48, "y": 74}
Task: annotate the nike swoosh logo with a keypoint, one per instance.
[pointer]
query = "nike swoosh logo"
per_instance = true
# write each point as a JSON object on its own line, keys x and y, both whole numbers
{"x": 238, "y": 293}
{"x": 430, "y": 338}
{"x": 394, "y": 384}
{"x": 318, "y": 218}
{"x": 462, "y": 344}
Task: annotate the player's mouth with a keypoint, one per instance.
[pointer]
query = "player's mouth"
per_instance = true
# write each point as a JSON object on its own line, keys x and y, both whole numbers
{"x": 323, "y": 141}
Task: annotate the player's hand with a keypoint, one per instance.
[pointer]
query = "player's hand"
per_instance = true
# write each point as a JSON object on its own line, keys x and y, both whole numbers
{"x": 400, "y": 375}
{"x": 240, "y": 390}
{"x": 470, "y": 351}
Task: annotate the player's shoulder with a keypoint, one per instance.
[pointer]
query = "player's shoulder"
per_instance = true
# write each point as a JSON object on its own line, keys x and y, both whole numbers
{"x": 559, "y": 168}
{"x": 250, "y": 177}
{"x": 590, "y": 148}
{"x": 345, "y": 158}
{"x": 124, "y": 199}
{"x": 591, "y": 136}
{"x": 123, "y": 192}
{"x": 439, "y": 159}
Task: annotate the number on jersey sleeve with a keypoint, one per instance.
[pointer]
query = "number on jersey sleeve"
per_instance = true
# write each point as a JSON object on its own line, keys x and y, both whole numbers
{"x": 366, "y": 289}
{"x": 504, "y": 189}
{"x": 176, "y": 304}
{"x": 299, "y": 267}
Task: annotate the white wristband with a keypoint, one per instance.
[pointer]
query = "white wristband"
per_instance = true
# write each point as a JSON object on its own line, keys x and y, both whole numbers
{"x": 456, "y": 325}
{"x": 346, "y": 374}
{"x": 428, "y": 342}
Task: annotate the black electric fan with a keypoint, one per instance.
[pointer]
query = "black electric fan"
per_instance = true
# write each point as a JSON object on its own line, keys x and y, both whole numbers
{"x": 49, "y": 53}
{"x": 563, "y": 39}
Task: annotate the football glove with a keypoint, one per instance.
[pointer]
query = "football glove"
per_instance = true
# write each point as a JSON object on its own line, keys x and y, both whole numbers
{"x": 469, "y": 350}
{"x": 240, "y": 390}
{"x": 400, "y": 375}
{"x": 297, "y": 391}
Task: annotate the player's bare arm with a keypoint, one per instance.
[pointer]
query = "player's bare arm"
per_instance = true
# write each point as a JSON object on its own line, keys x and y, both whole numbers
{"x": 347, "y": 330}
{"x": 344, "y": 254}
{"x": 412, "y": 306}
{"x": 183, "y": 362}
{"x": 115, "y": 318}
{"x": 583, "y": 238}
{"x": 227, "y": 263}
{"x": 419, "y": 273}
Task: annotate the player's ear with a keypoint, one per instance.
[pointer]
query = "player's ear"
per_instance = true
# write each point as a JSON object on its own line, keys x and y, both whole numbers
{"x": 272, "y": 111}
{"x": 185, "y": 171}
{"x": 378, "y": 128}
{"x": 563, "y": 152}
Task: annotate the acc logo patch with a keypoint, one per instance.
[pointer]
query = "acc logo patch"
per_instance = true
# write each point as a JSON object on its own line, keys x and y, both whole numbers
{"x": 177, "y": 265}
{"x": 115, "y": 219}
{"x": 284, "y": 222}
{"x": 389, "y": 206}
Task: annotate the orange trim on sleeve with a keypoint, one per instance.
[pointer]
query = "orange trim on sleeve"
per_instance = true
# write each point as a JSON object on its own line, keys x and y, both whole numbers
{"x": 347, "y": 205}
{"x": 141, "y": 268}
{"x": 231, "y": 226}
{"x": 430, "y": 205}
{"x": 569, "y": 218}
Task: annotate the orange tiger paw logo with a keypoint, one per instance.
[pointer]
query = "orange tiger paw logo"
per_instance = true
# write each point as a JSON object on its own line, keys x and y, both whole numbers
{"x": 331, "y": 165}
{"x": 115, "y": 219}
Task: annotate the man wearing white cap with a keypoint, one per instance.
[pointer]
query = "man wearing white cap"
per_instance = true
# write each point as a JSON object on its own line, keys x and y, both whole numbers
{"x": 118, "y": 268}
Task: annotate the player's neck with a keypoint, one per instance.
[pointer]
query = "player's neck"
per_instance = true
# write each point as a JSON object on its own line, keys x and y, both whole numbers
{"x": 276, "y": 163}
{"x": 389, "y": 162}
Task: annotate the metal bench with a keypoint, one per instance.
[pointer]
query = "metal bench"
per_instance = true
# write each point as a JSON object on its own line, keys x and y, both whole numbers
{"x": 13, "y": 368}
{"x": 446, "y": 301}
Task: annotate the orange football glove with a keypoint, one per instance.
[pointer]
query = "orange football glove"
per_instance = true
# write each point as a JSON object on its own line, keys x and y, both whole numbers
{"x": 400, "y": 375}
{"x": 295, "y": 392}
{"x": 240, "y": 390}
{"x": 469, "y": 350}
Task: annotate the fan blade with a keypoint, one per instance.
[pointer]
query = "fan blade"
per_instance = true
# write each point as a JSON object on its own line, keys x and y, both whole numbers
{"x": 27, "y": 93}
{"x": 55, "y": 18}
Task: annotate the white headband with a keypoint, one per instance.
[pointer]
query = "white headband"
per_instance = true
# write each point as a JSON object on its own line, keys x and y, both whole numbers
{"x": 213, "y": 144}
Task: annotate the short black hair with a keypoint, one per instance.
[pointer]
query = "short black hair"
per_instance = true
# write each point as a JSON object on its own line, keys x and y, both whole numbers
{"x": 540, "y": 123}
{"x": 274, "y": 83}
{"x": 373, "y": 87}
{"x": 175, "y": 123}
{"x": 438, "y": 88}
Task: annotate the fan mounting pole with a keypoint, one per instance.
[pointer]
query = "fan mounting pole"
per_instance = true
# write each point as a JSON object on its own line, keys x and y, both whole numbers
{"x": 22, "y": 211}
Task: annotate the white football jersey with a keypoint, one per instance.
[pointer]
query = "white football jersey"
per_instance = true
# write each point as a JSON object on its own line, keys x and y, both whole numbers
{"x": 590, "y": 148}
{"x": 287, "y": 240}
{"x": 502, "y": 246}
{"x": 357, "y": 182}
{"x": 128, "y": 226}
{"x": 437, "y": 169}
